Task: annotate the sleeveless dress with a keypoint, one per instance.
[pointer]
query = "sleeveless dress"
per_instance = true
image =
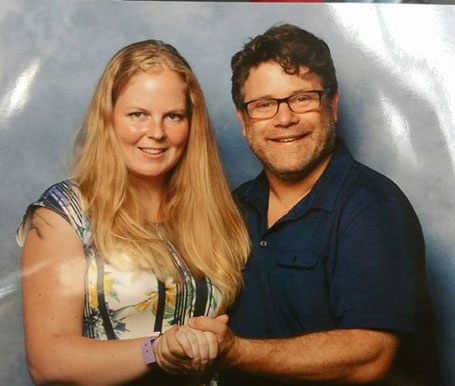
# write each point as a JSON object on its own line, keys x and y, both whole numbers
{"x": 119, "y": 304}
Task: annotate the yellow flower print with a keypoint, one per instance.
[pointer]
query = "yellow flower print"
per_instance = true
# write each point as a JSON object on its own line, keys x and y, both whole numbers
{"x": 171, "y": 295}
{"x": 108, "y": 283}
{"x": 151, "y": 298}
{"x": 171, "y": 301}
{"x": 93, "y": 293}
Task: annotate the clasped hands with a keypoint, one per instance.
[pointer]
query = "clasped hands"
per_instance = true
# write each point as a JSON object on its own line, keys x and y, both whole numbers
{"x": 196, "y": 347}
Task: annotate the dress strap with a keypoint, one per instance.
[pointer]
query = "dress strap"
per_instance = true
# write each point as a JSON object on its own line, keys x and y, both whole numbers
{"x": 183, "y": 269}
{"x": 161, "y": 305}
{"x": 201, "y": 284}
{"x": 201, "y": 297}
{"x": 102, "y": 301}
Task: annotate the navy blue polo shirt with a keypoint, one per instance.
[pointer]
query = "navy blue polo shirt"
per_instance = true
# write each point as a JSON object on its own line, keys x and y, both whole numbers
{"x": 349, "y": 255}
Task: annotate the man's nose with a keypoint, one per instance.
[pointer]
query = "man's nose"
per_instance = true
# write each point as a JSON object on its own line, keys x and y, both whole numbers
{"x": 285, "y": 116}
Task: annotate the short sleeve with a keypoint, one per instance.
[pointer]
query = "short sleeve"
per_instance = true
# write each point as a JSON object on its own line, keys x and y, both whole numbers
{"x": 63, "y": 198}
{"x": 380, "y": 266}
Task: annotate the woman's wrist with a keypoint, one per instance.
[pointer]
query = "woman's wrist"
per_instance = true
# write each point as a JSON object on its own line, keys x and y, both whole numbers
{"x": 148, "y": 347}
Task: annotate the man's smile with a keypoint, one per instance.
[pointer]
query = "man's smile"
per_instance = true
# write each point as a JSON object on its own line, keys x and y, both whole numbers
{"x": 289, "y": 138}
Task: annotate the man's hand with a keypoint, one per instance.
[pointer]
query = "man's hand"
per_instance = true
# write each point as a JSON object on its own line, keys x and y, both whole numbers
{"x": 227, "y": 341}
{"x": 342, "y": 356}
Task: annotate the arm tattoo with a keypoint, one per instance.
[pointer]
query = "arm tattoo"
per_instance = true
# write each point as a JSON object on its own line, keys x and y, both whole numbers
{"x": 36, "y": 228}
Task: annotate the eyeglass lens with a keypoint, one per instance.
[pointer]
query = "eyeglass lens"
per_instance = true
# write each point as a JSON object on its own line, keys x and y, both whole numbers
{"x": 299, "y": 103}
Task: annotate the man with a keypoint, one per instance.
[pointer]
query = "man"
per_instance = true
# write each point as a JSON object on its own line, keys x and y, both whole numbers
{"x": 332, "y": 284}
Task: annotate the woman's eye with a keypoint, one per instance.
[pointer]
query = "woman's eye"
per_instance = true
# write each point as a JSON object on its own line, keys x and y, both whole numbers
{"x": 175, "y": 117}
{"x": 138, "y": 115}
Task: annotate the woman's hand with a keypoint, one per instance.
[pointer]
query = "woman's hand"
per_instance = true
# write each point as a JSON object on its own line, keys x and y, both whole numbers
{"x": 184, "y": 350}
{"x": 201, "y": 346}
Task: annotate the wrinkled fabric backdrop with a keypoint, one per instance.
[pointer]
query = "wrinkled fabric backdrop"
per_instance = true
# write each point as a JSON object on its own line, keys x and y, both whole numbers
{"x": 395, "y": 66}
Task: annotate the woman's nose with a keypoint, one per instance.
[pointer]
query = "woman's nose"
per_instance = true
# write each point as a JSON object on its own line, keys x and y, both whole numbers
{"x": 155, "y": 130}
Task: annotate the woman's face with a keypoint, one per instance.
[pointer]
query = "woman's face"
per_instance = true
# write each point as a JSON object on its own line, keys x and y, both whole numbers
{"x": 151, "y": 123}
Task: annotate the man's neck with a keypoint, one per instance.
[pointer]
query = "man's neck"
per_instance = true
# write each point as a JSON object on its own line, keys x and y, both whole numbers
{"x": 284, "y": 195}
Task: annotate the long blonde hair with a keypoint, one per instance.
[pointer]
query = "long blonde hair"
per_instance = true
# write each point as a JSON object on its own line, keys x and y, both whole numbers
{"x": 200, "y": 216}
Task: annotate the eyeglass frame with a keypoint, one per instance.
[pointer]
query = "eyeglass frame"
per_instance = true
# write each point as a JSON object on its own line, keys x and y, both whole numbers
{"x": 321, "y": 93}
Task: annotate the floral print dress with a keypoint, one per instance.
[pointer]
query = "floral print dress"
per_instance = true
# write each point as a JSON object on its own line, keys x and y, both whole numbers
{"x": 119, "y": 304}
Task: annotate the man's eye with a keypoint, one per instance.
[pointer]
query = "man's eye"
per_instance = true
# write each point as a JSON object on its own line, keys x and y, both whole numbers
{"x": 303, "y": 98}
{"x": 262, "y": 105}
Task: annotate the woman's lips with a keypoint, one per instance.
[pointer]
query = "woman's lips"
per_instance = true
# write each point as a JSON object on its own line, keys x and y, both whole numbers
{"x": 153, "y": 151}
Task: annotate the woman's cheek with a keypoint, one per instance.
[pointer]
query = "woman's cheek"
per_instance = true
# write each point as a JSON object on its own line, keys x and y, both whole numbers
{"x": 130, "y": 132}
{"x": 179, "y": 137}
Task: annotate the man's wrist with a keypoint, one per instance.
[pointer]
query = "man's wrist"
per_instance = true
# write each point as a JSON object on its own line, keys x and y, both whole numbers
{"x": 233, "y": 356}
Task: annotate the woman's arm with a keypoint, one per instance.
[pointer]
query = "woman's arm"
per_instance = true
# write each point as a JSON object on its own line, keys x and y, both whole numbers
{"x": 54, "y": 268}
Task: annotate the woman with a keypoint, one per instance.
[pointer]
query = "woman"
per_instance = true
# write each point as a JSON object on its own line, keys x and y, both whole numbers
{"x": 144, "y": 235}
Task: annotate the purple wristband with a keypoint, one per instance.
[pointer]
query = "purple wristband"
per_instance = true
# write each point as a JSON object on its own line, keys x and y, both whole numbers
{"x": 148, "y": 350}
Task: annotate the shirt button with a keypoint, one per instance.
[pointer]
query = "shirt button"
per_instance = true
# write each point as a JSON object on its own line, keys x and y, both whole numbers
{"x": 263, "y": 243}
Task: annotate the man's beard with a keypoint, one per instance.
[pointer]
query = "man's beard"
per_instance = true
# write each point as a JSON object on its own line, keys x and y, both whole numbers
{"x": 305, "y": 169}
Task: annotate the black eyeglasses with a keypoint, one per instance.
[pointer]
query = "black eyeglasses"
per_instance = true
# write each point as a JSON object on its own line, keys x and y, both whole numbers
{"x": 298, "y": 103}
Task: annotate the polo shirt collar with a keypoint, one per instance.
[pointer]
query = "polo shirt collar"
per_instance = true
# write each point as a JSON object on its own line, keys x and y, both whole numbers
{"x": 257, "y": 193}
{"x": 323, "y": 194}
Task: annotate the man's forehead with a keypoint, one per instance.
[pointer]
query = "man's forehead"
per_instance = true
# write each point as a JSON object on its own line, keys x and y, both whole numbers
{"x": 270, "y": 78}
{"x": 304, "y": 71}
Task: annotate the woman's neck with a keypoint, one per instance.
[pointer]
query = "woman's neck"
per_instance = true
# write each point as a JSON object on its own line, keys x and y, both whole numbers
{"x": 150, "y": 196}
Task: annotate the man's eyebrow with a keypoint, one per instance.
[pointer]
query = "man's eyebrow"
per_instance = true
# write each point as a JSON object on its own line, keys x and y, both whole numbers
{"x": 295, "y": 92}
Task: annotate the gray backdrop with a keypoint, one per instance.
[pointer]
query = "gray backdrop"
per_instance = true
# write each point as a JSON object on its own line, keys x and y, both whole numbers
{"x": 395, "y": 67}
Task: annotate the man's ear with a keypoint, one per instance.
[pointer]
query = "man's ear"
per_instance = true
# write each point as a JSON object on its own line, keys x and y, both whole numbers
{"x": 334, "y": 106}
{"x": 239, "y": 113}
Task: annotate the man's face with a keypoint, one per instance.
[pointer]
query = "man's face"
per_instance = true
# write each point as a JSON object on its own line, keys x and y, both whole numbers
{"x": 289, "y": 145}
